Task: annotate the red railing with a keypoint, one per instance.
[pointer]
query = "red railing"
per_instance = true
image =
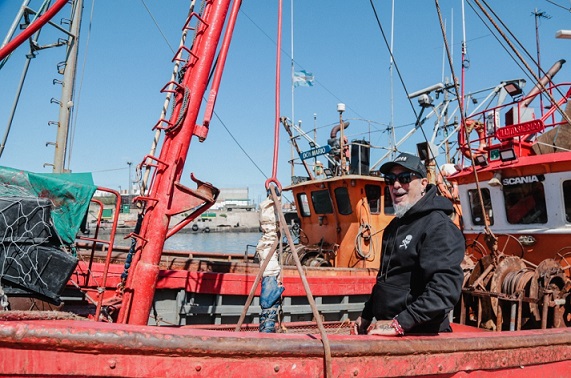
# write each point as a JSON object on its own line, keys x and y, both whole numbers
{"x": 519, "y": 126}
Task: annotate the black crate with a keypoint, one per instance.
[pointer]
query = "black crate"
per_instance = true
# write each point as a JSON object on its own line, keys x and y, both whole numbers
{"x": 40, "y": 269}
{"x": 25, "y": 220}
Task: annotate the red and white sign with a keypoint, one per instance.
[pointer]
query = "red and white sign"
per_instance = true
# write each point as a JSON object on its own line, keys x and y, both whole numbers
{"x": 525, "y": 128}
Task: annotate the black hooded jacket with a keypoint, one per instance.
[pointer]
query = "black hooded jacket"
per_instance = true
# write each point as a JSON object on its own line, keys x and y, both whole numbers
{"x": 420, "y": 279}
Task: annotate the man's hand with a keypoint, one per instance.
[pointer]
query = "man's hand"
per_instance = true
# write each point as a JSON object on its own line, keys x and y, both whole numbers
{"x": 361, "y": 326}
{"x": 383, "y": 328}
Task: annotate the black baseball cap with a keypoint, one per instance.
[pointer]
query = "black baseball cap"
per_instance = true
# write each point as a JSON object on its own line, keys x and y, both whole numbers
{"x": 408, "y": 161}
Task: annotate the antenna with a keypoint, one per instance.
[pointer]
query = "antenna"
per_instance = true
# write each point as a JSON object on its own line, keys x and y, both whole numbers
{"x": 393, "y": 139}
{"x": 539, "y": 14}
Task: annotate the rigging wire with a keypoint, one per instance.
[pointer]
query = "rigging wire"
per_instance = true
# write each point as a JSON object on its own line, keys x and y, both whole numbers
{"x": 73, "y": 125}
{"x": 76, "y": 107}
{"x": 157, "y": 25}
{"x": 33, "y": 40}
{"x": 43, "y": 8}
{"x": 284, "y": 52}
{"x": 493, "y": 33}
{"x": 417, "y": 123}
{"x": 530, "y": 56}
{"x": 557, "y": 5}
{"x": 239, "y": 145}
{"x": 537, "y": 80}
{"x": 511, "y": 53}
{"x": 489, "y": 234}
{"x": 510, "y": 33}
{"x": 215, "y": 113}
{"x": 392, "y": 57}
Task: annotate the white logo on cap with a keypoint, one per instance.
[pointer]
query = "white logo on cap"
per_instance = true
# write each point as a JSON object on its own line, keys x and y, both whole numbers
{"x": 400, "y": 158}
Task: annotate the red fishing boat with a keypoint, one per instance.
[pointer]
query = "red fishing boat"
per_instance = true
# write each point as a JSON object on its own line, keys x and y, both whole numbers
{"x": 81, "y": 307}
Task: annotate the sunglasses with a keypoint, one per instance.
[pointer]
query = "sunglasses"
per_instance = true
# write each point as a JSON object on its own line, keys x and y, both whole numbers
{"x": 403, "y": 178}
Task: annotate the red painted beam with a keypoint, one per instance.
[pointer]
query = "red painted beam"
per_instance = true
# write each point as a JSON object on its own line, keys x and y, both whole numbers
{"x": 239, "y": 284}
{"x": 32, "y": 28}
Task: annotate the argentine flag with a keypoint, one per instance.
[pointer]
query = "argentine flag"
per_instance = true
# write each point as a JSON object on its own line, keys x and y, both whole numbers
{"x": 302, "y": 78}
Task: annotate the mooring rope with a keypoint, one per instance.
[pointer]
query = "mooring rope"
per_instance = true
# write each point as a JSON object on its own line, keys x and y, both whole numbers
{"x": 271, "y": 189}
{"x": 316, "y": 315}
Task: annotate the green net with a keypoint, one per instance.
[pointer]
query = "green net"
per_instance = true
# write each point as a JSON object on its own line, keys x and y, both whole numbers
{"x": 69, "y": 194}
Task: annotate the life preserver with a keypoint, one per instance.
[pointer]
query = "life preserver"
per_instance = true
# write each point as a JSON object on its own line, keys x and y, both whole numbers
{"x": 444, "y": 188}
{"x": 464, "y": 145}
{"x": 194, "y": 227}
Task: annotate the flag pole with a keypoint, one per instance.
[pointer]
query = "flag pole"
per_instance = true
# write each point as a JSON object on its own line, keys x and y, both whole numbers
{"x": 392, "y": 128}
{"x": 292, "y": 88}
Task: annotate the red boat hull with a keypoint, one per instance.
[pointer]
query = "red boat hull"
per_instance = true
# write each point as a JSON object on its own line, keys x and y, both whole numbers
{"x": 80, "y": 348}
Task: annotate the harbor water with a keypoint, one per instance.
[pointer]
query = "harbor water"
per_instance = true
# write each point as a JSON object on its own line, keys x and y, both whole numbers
{"x": 226, "y": 242}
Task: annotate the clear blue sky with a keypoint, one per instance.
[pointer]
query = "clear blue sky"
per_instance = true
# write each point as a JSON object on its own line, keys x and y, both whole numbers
{"x": 125, "y": 61}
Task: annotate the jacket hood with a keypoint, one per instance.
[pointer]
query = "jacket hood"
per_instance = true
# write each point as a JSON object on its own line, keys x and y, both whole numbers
{"x": 430, "y": 202}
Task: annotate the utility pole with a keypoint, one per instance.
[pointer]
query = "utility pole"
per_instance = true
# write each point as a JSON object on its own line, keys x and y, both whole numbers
{"x": 66, "y": 102}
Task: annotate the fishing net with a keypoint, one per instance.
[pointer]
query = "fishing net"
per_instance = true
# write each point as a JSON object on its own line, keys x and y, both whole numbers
{"x": 69, "y": 194}
{"x": 39, "y": 213}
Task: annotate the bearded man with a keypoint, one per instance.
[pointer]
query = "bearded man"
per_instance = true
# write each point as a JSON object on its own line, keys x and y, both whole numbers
{"x": 420, "y": 278}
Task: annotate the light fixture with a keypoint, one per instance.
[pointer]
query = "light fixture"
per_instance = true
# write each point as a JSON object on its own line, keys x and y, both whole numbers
{"x": 565, "y": 34}
{"x": 426, "y": 150}
{"x": 481, "y": 160}
{"x": 496, "y": 180}
{"x": 425, "y": 101}
{"x": 513, "y": 89}
{"x": 507, "y": 155}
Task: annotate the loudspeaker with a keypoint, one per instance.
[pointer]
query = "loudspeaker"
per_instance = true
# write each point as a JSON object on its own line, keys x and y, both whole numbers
{"x": 360, "y": 157}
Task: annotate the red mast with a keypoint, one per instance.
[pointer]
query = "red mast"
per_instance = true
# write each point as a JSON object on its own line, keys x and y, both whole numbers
{"x": 167, "y": 196}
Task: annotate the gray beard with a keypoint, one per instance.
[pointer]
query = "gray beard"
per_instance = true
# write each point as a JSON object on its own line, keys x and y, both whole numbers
{"x": 400, "y": 210}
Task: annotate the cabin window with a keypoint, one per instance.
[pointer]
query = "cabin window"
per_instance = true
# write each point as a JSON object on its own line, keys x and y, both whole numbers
{"x": 373, "y": 193}
{"x": 476, "y": 209}
{"x": 388, "y": 203}
{"x": 322, "y": 202}
{"x": 567, "y": 199}
{"x": 525, "y": 203}
{"x": 343, "y": 201}
{"x": 303, "y": 205}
